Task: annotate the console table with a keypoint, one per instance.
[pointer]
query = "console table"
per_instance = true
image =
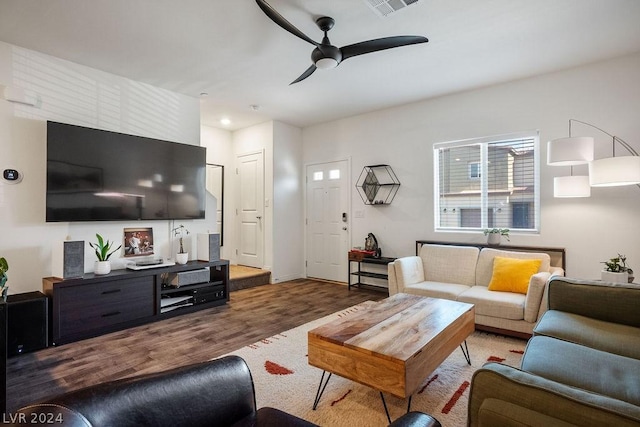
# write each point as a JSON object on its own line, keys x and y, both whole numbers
{"x": 361, "y": 274}
{"x": 98, "y": 304}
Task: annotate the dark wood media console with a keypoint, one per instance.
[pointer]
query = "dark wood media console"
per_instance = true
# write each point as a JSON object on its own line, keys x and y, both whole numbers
{"x": 98, "y": 304}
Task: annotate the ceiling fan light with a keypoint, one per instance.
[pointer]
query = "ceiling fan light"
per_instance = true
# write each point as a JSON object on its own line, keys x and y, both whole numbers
{"x": 571, "y": 186}
{"x": 571, "y": 151}
{"x": 326, "y": 63}
{"x": 614, "y": 171}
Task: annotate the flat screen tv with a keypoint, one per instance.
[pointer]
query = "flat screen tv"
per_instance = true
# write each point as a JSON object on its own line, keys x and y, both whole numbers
{"x": 97, "y": 175}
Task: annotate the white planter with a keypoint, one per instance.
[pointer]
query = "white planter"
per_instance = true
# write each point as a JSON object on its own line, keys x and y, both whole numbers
{"x": 102, "y": 267}
{"x": 611, "y": 277}
{"x": 182, "y": 258}
{"x": 493, "y": 239}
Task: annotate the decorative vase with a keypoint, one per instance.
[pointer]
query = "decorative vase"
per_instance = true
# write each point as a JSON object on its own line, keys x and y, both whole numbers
{"x": 182, "y": 258}
{"x": 102, "y": 267}
{"x": 611, "y": 277}
{"x": 493, "y": 239}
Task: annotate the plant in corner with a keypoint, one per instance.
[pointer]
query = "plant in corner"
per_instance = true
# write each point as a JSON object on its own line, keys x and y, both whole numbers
{"x": 494, "y": 235}
{"x": 103, "y": 249}
{"x": 617, "y": 271}
{"x": 4, "y": 266}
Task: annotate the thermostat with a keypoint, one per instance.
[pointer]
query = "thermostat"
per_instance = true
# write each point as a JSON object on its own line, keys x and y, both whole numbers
{"x": 11, "y": 176}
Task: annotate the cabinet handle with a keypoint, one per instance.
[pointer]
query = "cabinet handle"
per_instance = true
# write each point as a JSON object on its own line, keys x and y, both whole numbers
{"x": 113, "y": 313}
{"x": 113, "y": 291}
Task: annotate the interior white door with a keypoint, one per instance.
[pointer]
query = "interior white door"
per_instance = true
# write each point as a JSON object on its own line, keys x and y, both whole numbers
{"x": 250, "y": 212}
{"x": 327, "y": 220}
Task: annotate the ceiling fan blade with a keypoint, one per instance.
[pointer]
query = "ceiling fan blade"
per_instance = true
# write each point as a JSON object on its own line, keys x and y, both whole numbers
{"x": 379, "y": 44}
{"x": 281, "y": 21}
{"x": 304, "y": 75}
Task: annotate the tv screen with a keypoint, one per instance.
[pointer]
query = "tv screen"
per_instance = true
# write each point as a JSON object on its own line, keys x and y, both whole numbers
{"x": 97, "y": 175}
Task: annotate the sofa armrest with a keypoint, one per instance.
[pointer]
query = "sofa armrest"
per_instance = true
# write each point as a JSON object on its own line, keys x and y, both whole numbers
{"x": 543, "y": 399}
{"x": 217, "y": 392}
{"x": 556, "y": 271}
{"x": 405, "y": 271}
{"x": 534, "y": 299}
{"x": 610, "y": 302}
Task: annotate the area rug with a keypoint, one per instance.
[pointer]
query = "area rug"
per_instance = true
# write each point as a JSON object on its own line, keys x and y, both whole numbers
{"x": 284, "y": 380}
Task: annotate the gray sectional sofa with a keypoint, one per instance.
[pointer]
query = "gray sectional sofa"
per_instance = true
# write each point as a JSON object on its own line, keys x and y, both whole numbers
{"x": 581, "y": 367}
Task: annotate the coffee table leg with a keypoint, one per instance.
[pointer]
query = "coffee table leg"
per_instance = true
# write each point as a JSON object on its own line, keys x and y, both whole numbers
{"x": 386, "y": 410}
{"x": 321, "y": 389}
{"x": 465, "y": 351}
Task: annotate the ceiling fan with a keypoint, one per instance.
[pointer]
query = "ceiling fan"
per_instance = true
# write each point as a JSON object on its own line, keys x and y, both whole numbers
{"x": 325, "y": 55}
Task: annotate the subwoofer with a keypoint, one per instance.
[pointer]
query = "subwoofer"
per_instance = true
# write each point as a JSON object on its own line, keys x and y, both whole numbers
{"x": 27, "y": 323}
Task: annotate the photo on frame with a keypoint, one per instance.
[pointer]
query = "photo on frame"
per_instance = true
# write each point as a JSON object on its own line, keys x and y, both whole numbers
{"x": 138, "y": 241}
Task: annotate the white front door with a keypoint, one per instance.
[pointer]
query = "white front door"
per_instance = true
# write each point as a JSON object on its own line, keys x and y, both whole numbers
{"x": 327, "y": 220}
{"x": 250, "y": 212}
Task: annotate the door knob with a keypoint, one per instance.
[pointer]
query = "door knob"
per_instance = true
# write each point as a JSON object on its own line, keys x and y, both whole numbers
{"x": 258, "y": 217}
{"x": 344, "y": 228}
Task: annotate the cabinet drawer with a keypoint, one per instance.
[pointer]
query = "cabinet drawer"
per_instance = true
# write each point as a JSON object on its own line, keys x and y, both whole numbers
{"x": 88, "y": 307}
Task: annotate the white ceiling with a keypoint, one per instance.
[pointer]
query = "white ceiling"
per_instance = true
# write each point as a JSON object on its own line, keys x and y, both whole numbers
{"x": 232, "y": 51}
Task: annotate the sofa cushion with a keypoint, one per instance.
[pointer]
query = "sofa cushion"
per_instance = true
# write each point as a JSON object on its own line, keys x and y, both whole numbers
{"x": 606, "y": 336}
{"x": 582, "y": 367}
{"x": 409, "y": 271}
{"x": 506, "y": 305}
{"x": 436, "y": 290}
{"x": 450, "y": 264}
{"x": 484, "y": 268}
{"x": 513, "y": 275}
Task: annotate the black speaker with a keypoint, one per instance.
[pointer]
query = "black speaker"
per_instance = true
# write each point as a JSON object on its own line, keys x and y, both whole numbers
{"x": 67, "y": 259}
{"x": 27, "y": 323}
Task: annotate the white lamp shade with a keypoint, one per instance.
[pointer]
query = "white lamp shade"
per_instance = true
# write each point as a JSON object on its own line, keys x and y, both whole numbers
{"x": 614, "y": 171}
{"x": 576, "y": 150}
{"x": 571, "y": 186}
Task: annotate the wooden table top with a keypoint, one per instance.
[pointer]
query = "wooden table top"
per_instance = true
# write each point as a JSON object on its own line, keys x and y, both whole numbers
{"x": 392, "y": 344}
{"x": 395, "y": 328}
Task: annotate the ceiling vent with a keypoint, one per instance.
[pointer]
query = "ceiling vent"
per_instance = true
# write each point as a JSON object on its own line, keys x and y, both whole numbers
{"x": 387, "y": 7}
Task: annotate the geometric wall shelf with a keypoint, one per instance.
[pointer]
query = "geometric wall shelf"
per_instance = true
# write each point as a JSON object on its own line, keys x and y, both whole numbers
{"x": 377, "y": 185}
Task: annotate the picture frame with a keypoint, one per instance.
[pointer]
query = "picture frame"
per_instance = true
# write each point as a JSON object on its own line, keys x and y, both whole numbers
{"x": 138, "y": 242}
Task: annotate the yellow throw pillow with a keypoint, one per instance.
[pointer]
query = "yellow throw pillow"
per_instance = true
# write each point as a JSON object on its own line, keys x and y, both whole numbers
{"x": 512, "y": 274}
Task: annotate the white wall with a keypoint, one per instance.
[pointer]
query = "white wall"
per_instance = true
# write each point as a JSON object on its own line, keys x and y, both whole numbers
{"x": 78, "y": 95}
{"x": 592, "y": 230}
{"x": 288, "y": 213}
{"x": 283, "y": 219}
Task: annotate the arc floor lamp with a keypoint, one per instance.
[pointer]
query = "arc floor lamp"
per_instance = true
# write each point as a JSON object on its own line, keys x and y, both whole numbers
{"x": 606, "y": 172}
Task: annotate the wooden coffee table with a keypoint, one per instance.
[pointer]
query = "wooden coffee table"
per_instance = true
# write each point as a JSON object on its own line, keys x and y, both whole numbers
{"x": 391, "y": 345}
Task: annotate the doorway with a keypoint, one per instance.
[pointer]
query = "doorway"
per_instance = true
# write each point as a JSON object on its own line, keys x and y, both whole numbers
{"x": 250, "y": 212}
{"x": 327, "y": 224}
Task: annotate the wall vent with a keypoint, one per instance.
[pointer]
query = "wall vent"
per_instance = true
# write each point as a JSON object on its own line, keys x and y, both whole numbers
{"x": 387, "y": 7}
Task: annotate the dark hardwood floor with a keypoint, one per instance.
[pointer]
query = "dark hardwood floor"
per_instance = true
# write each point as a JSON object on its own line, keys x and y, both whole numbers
{"x": 250, "y": 315}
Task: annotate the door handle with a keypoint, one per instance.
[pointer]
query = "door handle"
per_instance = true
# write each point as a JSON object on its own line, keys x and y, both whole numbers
{"x": 258, "y": 217}
{"x": 344, "y": 228}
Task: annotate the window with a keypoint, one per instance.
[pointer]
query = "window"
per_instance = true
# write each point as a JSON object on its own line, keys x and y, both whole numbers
{"x": 474, "y": 170}
{"x": 318, "y": 176}
{"x": 488, "y": 182}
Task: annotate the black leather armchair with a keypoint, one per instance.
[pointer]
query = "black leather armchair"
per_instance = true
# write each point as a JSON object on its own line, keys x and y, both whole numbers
{"x": 215, "y": 393}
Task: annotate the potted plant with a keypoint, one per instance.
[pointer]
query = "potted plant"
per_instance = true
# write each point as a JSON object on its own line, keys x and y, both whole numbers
{"x": 495, "y": 234}
{"x": 616, "y": 270}
{"x": 181, "y": 257}
{"x": 103, "y": 250}
{"x": 4, "y": 266}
